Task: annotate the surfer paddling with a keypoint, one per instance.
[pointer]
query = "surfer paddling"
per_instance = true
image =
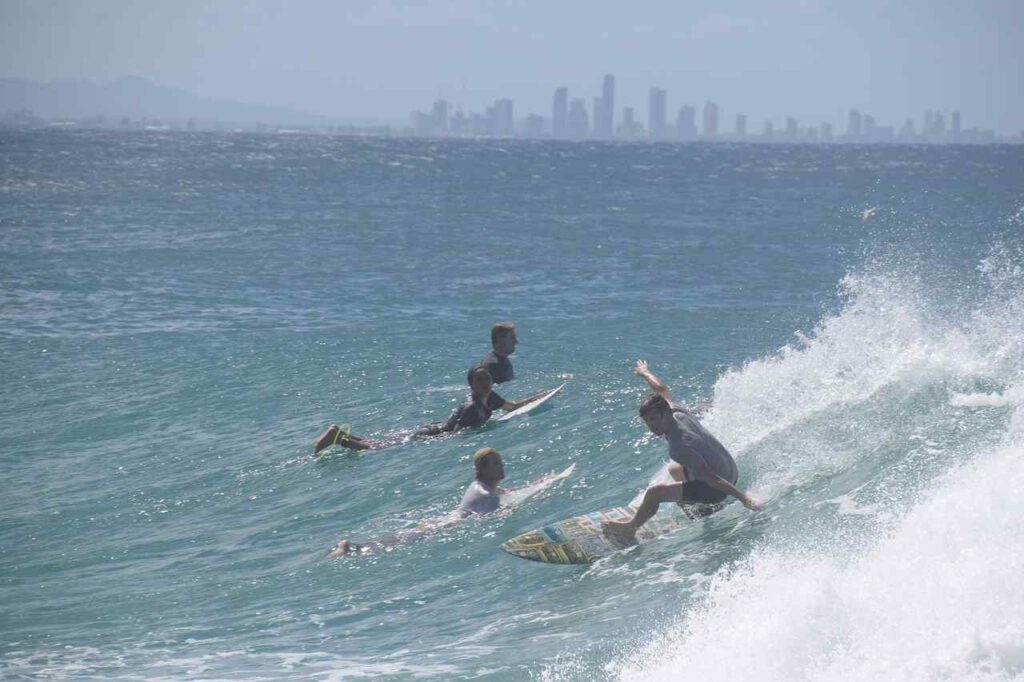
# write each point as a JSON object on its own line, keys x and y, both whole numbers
{"x": 503, "y": 344}
{"x": 476, "y": 411}
{"x": 481, "y": 497}
{"x": 705, "y": 473}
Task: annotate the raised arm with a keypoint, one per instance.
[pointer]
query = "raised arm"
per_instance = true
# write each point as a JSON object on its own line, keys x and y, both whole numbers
{"x": 716, "y": 481}
{"x": 656, "y": 384}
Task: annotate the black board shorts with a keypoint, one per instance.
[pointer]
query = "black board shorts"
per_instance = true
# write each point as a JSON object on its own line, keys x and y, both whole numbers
{"x": 699, "y": 492}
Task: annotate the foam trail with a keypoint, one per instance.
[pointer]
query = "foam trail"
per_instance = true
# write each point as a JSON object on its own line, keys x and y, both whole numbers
{"x": 940, "y": 598}
{"x": 933, "y": 592}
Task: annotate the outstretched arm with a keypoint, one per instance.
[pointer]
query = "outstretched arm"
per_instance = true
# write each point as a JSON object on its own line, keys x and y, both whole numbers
{"x": 656, "y": 384}
{"x": 511, "y": 405}
{"x": 716, "y": 481}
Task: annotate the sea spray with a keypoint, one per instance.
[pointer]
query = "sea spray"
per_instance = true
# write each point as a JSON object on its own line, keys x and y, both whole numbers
{"x": 930, "y": 592}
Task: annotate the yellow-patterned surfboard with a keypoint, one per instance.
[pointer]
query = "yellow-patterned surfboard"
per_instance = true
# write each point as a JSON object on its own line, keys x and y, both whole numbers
{"x": 579, "y": 540}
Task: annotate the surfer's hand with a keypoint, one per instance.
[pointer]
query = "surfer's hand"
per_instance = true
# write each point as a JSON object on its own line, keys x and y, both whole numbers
{"x": 753, "y": 505}
{"x": 641, "y": 368}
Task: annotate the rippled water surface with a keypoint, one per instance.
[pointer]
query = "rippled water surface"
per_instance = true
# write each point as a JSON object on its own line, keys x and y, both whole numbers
{"x": 181, "y": 315}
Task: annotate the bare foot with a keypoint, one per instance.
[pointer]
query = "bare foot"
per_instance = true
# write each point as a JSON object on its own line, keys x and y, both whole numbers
{"x": 341, "y": 550}
{"x": 618, "y": 531}
{"x": 326, "y": 439}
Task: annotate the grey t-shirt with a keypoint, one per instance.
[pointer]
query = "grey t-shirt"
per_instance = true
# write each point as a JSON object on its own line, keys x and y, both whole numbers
{"x": 692, "y": 445}
{"x": 478, "y": 499}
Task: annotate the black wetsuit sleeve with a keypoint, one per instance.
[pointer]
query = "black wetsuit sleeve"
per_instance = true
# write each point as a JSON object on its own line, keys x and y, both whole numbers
{"x": 494, "y": 401}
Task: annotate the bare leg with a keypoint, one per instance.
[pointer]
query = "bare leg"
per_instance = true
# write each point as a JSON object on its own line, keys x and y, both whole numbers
{"x": 326, "y": 439}
{"x": 343, "y": 548}
{"x": 675, "y": 470}
{"x": 335, "y": 436}
{"x": 384, "y": 544}
{"x": 655, "y": 495}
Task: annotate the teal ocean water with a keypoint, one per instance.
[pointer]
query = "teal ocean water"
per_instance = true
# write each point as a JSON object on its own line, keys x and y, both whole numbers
{"x": 182, "y": 314}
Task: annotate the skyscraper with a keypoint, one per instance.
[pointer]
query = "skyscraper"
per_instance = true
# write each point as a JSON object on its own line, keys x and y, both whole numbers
{"x": 439, "y": 114}
{"x": 741, "y": 126}
{"x": 938, "y": 126}
{"x": 656, "y": 114}
{"x": 853, "y": 127}
{"x": 604, "y": 117}
{"x": 628, "y": 129}
{"x": 598, "y": 110}
{"x": 502, "y": 122}
{"x": 459, "y": 124}
{"x": 710, "y": 120}
{"x": 869, "y": 128}
{"x": 686, "y": 123}
{"x": 560, "y": 113}
{"x": 792, "y": 129}
{"x": 578, "y": 123}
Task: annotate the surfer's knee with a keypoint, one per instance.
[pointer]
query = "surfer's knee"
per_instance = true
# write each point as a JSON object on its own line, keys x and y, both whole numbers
{"x": 661, "y": 492}
{"x": 676, "y": 471}
{"x": 342, "y": 549}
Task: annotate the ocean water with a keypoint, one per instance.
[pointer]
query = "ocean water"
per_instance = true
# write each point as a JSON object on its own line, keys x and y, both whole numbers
{"x": 182, "y": 314}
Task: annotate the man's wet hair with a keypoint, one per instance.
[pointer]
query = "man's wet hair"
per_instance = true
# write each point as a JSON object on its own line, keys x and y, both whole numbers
{"x": 654, "y": 403}
{"x": 480, "y": 456}
{"x": 501, "y": 329}
{"x": 478, "y": 371}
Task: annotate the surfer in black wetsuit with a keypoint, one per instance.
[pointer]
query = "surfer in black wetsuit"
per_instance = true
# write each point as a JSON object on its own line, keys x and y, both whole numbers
{"x": 503, "y": 344}
{"x": 705, "y": 473}
{"x": 474, "y": 412}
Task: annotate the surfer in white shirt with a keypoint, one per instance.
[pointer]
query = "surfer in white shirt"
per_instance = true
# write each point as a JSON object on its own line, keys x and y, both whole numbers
{"x": 481, "y": 497}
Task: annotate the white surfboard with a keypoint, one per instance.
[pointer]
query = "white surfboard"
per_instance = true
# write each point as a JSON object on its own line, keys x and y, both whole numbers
{"x": 520, "y": 495}
{"x": 529, "y": 407}
{"x": 509, "y": 500}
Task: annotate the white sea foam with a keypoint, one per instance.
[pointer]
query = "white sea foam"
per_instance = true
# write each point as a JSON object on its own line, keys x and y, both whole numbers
{"x": 883, "y": 336}
{"x": 939, "y": 598}
{"x": 934, "y": 592}
{"x": 1014, "y": 397}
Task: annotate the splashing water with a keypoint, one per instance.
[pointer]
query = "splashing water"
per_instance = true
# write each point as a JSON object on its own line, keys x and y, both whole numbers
{"x": 911, "y": 569}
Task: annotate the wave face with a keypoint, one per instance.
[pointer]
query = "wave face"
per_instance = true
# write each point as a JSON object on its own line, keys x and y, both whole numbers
{"x": 893, "y": 440}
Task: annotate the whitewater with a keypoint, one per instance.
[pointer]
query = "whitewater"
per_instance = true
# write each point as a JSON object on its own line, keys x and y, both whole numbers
{"x": 907, "y": 444}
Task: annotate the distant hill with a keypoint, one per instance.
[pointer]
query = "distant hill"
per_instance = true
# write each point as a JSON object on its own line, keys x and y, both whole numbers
{"x": 135, "y": 97}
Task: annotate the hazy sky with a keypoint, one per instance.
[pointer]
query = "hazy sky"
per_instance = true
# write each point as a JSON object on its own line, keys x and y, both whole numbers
{"x": 812, "y": 59}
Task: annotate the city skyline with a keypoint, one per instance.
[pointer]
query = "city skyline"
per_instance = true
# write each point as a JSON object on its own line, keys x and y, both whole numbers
{"x": 373, "y": 62}
{"x": 135, "y": 103}
{"x": 571, "y": 120}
